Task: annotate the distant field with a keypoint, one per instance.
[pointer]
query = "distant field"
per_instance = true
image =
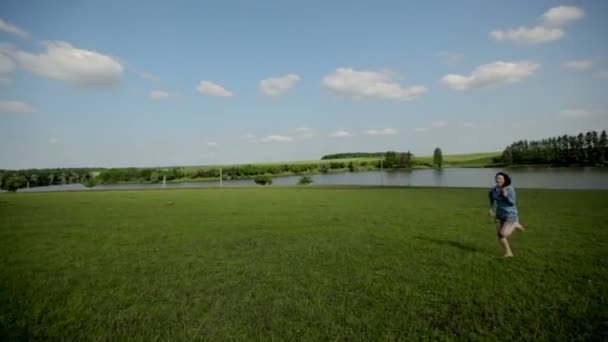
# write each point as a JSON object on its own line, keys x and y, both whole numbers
{"x": 470, "y": 159}
{"x": 462, "y": 160}
{"x": 287, "y": 264}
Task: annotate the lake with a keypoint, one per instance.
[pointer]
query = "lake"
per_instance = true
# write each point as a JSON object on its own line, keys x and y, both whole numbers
{"x": 528, "y": 177}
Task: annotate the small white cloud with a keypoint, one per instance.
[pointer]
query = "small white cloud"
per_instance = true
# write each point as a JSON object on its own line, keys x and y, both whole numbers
{"x": 7, "y": 66}
{"x": 562, "y": 15}
{"x": 549, "y": 29}
{"x": 370, "y": 84}
{"x": 341, "y": 134}
{"x": 534, "y": 35}
{"x": 580, "y": 64}
{"x": 575, "y": 113}
{"x": 212, "y": 144}
{"x": 386, "y": 131}
{"x": 302, "y": 129}
{"x": 15, "y": 107}
{"x": 53, "y": 141}
{"x": 159, "y": 95}
{"x": 277, "y": 86}
{"x": 440, "y": 124}
{"x": 421, "y": 129}
{"x": 602, "y": 74}
{"x": 450, "y": 58}
{"x": 213, "y": 89}
{"x": 147, "y": 75}
{"x": 305, "y": 132}
{"x": 490, "y": 74}
{"x": 62, "y": 61}
{"x": 483, "y": 125}
{"x": 249, "y": 136}
{"x": 6, "y": 27}
{"x": 277, "y": 138}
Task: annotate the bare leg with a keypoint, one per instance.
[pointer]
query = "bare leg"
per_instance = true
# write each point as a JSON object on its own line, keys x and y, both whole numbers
{"x": 505, "y": 245}
{"x": 519, "y": 227}
{"x": 504, "y": 231}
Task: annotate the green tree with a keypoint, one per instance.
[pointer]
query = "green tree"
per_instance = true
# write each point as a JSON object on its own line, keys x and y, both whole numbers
{"x": 507, "y": 156}
{"x": 263, "y": 180}
{"x": 438, "y": 158}
{"x": 14, "y": 182}
{"x": 305, "y": 180}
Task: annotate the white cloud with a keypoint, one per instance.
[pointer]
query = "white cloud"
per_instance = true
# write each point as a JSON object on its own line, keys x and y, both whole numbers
{"x": 372, "y": 84}
{"x": 386, "y": 131}
{"x": 602, "y": 74}
{"x": 440, "y": 124}
{"x": 580, "y": 64}
{"x": 305, "y": 132}
{"x": 213, "y": 89}
{"x": 277, "y": 86}
{"x": 550, "y": 28}
{"x": 15, "y": 107}
{"x": 212, "y": 144}
{"x": 575, "y": 113}
{"x": 421, "y": 129}
{"x": 277, "y": 138}
{"x": 341, "y": 134}
{"x": 534, "y": 35}
{"x": 490, "y": 74}
{"x": 147, "y": 75}
{"x": 64, "y": 62}
{"x": 449, "y": 58}
{"x": 483, "y": 125}
{"x": 53, "y": 141}
{"x": 7, "y": 66}
{"x": 159, "y": 94}
{"x": 6, "y": 27}
{"x": 562, "y": 15}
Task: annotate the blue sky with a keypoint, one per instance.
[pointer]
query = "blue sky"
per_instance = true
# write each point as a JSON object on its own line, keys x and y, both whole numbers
{"x": 129, "y": 83}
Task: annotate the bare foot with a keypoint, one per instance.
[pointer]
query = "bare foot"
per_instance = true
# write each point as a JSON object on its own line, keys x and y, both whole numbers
{"x": 520, "y": 228}
{"x": 508, "y": 255}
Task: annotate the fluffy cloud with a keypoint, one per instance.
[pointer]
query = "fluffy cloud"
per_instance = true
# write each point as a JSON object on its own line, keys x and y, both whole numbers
{"x": 440, "y": 124}
{"x": 15, "y": 107}
{"x": 159, "y": 94}
{"x": 277, "y": 86}
{"x": 550, "y": 28}
{"x": 305, "y": 132}
{"x": 490, "y": 74}
{"x": 6, "y": 68}
{"x": 421, "y": 129}
{"x": 386, "y": 131}
{"x": 372, "y": 84}
{"x": 580, "y": 64}
{"x": 341, "y": 134}
{"x": 561, "y": 15}
{"x": 575, "y": 113}
{"x": 213, "y": 89}
{"x": 64, "y": 62}
{"x": 534, "y": 35}
{"x": 277, "y": 138}
{"x": 6, "y": 27}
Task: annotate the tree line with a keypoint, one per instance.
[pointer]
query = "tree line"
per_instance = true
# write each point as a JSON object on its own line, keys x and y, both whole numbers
{"x": 15, "y": 179}
{"x": 585, "y": 149}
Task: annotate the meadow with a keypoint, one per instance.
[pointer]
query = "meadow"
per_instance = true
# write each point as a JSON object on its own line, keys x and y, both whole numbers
{"x": 301, "y": 263}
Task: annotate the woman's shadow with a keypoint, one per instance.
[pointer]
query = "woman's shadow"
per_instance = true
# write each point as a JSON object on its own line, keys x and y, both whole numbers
{"x": 460, "y": 245}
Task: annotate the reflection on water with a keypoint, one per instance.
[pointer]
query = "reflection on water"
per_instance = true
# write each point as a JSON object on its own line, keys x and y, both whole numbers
{"x": 545, "y": 178}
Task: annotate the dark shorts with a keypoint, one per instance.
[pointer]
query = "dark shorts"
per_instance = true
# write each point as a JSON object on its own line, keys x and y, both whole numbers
{"x": 507, "y": 219}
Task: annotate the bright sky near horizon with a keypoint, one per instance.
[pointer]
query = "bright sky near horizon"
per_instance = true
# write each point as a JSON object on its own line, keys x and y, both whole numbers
{"x": 134, "y": 83}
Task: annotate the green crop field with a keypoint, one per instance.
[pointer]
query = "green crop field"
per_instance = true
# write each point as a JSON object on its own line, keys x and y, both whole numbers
{"x": 294, "y": 263}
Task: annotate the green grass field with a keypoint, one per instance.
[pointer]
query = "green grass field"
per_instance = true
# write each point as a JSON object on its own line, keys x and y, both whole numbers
{"x": 301, "y": 264}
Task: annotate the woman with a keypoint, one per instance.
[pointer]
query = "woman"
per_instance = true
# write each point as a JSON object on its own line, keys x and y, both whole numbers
{"x": 506, "y": 213}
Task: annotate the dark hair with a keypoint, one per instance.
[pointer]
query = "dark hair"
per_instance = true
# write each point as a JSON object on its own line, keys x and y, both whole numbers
{"x": 506, "y": 177}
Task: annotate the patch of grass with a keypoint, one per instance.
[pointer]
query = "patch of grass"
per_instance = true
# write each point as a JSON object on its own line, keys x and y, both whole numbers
{"x": 301, "y": 264}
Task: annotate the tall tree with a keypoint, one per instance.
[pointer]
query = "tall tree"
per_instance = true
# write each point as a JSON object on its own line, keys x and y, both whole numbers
{"x": 438, "y": 158}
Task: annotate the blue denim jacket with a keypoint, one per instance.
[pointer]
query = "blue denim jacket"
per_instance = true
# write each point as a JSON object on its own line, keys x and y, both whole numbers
{"x": 505, "y": 205}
